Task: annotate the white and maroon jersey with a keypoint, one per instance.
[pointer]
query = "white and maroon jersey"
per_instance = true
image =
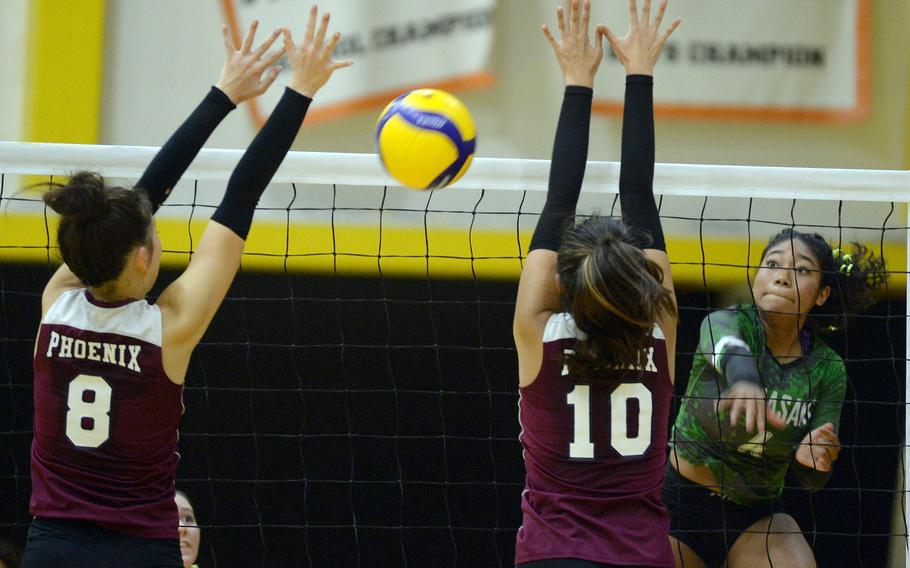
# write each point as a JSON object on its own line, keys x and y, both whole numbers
{"x": 106, "y": 417}
{"x": 594, "y": 453}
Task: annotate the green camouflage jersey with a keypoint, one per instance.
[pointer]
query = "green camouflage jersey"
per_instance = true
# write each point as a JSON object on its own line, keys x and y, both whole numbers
{"x": 807, "y": 392}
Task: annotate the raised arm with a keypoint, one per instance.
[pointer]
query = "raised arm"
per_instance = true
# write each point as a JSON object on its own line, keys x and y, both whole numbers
{"x": 639, "y": 51}
{"x": 191, "y": 301}
{"x": 245, "y": 74}
{"x": 538, "y": 295}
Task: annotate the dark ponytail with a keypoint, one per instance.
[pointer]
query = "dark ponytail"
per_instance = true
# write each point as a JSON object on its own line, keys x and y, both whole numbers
{"x": 852, "y": 271}
{"x": 99, "y": 225}
{"x": 614, "y": 293}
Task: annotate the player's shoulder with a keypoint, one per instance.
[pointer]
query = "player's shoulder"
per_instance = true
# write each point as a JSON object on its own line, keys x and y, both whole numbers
{"x": 827, "y": 358}
{"x": 742, "y": 320}
{"x": 66, "y": 307}
{"x": 132, "y": 318}
{"x": 561, "y": 325}
{"x": 66, "y": 298}
{"x": 740, "y": 313}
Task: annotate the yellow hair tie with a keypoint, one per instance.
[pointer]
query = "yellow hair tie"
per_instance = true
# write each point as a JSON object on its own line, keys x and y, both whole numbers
{"x": 846, "y": 260}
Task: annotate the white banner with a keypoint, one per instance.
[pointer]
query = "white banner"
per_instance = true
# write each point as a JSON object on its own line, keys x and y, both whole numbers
{"x": 761, "y": 59}
{"x": 396, "y": 45}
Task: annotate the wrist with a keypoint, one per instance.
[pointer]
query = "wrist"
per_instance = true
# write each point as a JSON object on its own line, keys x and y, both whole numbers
{"x": 222, "y": 96}
{"x": 579, "y": 90}
{"x": 580, "y": 81}
{"x": 296, "y": 95}
{"x": 230, "y": 93}
{"x": 741, "y": 372}
{"x": 639, "y": 70}
{"x": 304, "y": 90}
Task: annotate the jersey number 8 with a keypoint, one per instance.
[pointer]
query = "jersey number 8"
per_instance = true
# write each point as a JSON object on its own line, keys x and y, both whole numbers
{"x": 88, "y": 422}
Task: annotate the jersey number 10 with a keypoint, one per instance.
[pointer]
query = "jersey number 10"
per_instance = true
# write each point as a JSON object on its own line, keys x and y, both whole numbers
{"x": 580, "y": 399}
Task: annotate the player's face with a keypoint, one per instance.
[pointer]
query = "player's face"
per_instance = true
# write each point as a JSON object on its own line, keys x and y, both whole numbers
{"x": 189, "y": 531}
{"x": 789, "y": 280}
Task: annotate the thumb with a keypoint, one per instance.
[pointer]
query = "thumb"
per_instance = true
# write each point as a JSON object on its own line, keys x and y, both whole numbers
{"x": 269, "y": 79}
{"x": 288, "y": 41}
{"x": 611, "y": 37}
{"x": 775, "y": 419}
{"x": 599, "y": 33}
{"x": 827, "y": 430}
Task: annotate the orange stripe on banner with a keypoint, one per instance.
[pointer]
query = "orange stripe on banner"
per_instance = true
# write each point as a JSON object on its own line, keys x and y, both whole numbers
{"x": 461, "y": 83}
{"x": 864, "y": 59}
{"x": 234, "y": 23}
{"x": 728, "y": 112}
{"x": 860, "y": 110}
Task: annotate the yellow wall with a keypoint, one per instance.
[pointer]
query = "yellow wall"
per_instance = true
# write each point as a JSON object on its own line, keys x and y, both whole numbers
{"x": 64, "y": 71}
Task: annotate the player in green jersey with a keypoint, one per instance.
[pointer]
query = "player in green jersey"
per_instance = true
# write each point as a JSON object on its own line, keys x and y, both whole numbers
{"x": 764, "y": 394}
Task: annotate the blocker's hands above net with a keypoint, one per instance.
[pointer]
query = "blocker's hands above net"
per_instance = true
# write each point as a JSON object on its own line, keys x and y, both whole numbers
{"x": 578, "y": 58}
{"x": 247, "y": 73}
{"x": 640, "y": 48}
{"x": 311, "y": 62}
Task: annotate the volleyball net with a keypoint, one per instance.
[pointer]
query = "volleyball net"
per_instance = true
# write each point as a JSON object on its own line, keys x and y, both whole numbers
{"x": 354, "y": 402}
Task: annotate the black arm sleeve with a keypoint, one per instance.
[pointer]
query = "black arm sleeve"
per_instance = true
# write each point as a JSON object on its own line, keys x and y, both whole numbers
{"x": 168, "y": 165}
{"x": 255, "y": 169}
{"x": 636, "y": 172}
{"x": 567, "y": 167}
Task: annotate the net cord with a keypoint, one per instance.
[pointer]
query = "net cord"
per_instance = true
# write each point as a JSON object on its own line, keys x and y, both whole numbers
{"x": 502, "y": 173}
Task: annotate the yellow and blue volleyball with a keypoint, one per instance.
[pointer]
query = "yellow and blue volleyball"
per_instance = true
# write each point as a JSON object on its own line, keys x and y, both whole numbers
{"x": 426, "y": 139}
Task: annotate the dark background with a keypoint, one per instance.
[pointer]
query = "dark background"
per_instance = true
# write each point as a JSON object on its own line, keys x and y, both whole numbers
{"x": 373, "y": 422}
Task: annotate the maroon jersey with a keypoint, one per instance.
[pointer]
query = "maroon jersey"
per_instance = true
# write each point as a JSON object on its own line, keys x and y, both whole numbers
{"x": 106, "y": 417}
{"x": 594, "y": 453}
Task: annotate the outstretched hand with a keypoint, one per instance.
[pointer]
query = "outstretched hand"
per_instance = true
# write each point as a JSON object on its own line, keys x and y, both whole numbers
{"x": 745, "y": 399}
{"x": 311, "y": 62}
{"x": 247, "y": 73}
{"x": 640, "y": 48}
{"x": 820, "y": 448}
{"x": 577, "y": 56}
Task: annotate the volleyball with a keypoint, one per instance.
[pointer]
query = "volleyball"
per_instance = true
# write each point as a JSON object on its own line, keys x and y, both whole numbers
{"x": 426, "y": 139}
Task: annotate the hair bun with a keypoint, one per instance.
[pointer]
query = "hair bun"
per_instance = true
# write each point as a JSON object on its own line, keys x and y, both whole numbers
{"x": 82, "y": 198}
